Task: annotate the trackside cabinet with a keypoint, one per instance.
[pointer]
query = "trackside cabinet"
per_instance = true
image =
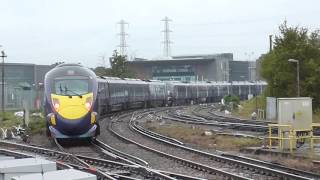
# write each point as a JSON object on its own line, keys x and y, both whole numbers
{"x": 296, "y": 112}
{"x": 296, "y": 115}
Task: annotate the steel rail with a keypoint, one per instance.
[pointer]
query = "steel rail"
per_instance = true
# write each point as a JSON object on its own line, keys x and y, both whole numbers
{"x": 226, "y": 124}
{"x": 121, "y": 155}
{"x": 60, "y": 165}
{"x": 186, "y": 162}
{"x": 272, "y": 165}
{"x": 71, "y": 155}
{"x": 220, "y": 158}
{"x": 89, "y": 160}
{"x": 144, "y": 163}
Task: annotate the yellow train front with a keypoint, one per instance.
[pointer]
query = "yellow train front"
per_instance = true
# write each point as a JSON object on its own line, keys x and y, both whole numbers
{"x": 70, "y": 96}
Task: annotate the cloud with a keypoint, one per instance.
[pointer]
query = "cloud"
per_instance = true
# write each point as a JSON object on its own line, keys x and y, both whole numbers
{"x": 46, "y": 31}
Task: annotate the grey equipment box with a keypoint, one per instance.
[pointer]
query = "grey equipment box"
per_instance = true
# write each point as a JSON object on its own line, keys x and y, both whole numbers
{"x": 68, "y": 174}
{"x": 16, "y": 167}
{"x": 296, "y": 112}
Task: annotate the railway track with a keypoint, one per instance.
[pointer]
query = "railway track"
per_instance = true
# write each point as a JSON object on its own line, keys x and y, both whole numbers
{"x": 104, "y": 169}
{"x": 210, "y": 119}
{"x": 165, "y": 166}
{"x": 60, "y": 165}
{"x": 241, "y": 158}
{"x": 227, "y": 168}
{"x": 263, "y": 168}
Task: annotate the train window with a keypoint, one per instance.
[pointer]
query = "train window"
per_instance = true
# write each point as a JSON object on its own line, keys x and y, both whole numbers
{"x": 71, "y": 86}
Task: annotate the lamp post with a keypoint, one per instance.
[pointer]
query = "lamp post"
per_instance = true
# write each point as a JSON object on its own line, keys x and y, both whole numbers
{"x": 252, "y": 78}
{"x": 3, "y": 55}
{"x": 298, "y": 75}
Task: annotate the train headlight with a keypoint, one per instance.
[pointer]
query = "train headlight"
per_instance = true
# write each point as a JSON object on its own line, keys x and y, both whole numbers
{"x": 88, "y": 103}
{"x": 56, "y": 104}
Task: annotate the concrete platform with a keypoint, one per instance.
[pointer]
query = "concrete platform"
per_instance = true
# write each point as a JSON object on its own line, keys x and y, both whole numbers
{"x": 302, "y": 152}
{"x": 69, "y": 174}
{"x": 17, "y": 167}
{"x": 2, "y": 158}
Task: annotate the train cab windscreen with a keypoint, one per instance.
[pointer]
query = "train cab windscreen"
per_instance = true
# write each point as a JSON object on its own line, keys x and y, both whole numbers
{"x": 71, "y": 86}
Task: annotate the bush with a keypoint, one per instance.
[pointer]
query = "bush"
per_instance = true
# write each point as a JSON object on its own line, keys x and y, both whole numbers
{"x": 8, "y": 120}
{"x": 37, "y": 126}
{"x": 232, "y": 100}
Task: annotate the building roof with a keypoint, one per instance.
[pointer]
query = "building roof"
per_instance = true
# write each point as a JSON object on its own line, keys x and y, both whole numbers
{"x": 171, "y": 60}
{"x": 194, "y": 57}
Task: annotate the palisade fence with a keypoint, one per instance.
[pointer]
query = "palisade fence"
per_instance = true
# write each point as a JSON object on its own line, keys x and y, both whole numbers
{"x": 16, "y": 98}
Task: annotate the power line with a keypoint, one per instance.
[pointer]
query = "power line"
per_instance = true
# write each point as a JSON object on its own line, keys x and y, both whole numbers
{"x": 166, "y": 42}
{"x": 123, "y": 44}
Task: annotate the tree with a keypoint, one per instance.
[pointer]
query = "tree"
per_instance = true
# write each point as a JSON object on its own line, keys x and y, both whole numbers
{"x": 119, "y": 66}
{"x": 293, "y": 43}
{"x": 102, "y": 71}
{"x": 57, "y": 63}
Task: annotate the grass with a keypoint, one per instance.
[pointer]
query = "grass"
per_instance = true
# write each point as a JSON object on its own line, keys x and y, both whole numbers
{"x": 8, "y": 120}
{"x": 316, "y": 117}
{"x": 298, "y": 163}
{"x": 195, "y": 135}
{"x": 36, "y": 124}
{"x": 249, "y": 106}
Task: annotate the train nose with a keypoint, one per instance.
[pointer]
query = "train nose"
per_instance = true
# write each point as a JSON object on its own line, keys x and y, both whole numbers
{"x": 72, "y": 107}
{"x": 74, "y": 127}
{"x": 73, "y": 112}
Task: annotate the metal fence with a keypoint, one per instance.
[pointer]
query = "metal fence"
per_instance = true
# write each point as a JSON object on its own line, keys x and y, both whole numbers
{"x": 16, "y": 98}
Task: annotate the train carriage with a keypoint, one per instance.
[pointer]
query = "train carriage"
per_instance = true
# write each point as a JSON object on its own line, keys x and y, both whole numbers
{"x": 158, "y": 93}
{"x": 202, "y": 92}
{"x": 75, "y": 98}
{"x": 138, "y": 93}
{"x": 118, "y": 94}
{"x": 181, "y": 93}
{"x": 103, "y": 97}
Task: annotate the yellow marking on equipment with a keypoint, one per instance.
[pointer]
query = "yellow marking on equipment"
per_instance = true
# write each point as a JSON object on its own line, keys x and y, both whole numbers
{"x": 72, "y": 107}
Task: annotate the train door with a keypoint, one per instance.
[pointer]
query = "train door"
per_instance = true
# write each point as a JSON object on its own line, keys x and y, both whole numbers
{"x": 101, "y": 99}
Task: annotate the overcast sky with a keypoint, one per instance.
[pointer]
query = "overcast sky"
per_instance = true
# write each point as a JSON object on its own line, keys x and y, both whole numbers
{"x": 47, "y": 31}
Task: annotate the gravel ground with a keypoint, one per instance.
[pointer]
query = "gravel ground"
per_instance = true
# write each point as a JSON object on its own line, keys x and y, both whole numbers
{"x": 155, "y": 161}
{"x": 205, "y": 127}
{"x": 123, "y": 128}
{"x": 204, "y": 111}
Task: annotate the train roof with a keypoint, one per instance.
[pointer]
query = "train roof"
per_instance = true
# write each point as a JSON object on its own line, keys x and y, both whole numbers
{"x": 116, "y": 80}
{"x": 69, "y": 70}
{"x": 69, "y": 64}
{"x": 204, "y": 83}
{"x": 217, "y": 83}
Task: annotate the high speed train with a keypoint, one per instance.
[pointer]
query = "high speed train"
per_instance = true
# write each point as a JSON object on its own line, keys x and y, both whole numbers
{"x": 75, "y": 97}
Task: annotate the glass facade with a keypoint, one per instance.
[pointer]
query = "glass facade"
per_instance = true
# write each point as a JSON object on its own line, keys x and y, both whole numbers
{"x": 173, "y": 73}
{"x": 23, "y": 85}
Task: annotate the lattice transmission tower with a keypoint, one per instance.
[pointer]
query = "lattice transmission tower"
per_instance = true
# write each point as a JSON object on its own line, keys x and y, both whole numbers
{"x": 166, "y": 41}
{"x": 123, "y": 43}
